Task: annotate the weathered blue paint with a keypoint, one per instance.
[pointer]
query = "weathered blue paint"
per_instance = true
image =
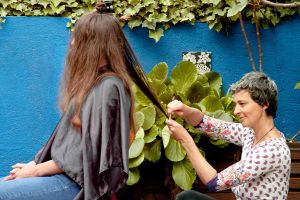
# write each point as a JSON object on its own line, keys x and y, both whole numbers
{"x": 32, "y": 51}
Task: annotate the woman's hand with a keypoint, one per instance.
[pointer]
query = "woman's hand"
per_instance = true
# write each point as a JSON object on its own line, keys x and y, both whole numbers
{"x": 191, "y": 115}
{"x": 177, "y": 107}
{"x": 178, "y": 132}
{"x": 21, "y": 170}
{"x": 204, "y": 170}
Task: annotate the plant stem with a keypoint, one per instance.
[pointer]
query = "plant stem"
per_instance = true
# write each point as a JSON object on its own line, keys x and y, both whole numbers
{"x": 258, "y": 38}
{"x": 247, "y": 42}
{"x": 282, "y": 5}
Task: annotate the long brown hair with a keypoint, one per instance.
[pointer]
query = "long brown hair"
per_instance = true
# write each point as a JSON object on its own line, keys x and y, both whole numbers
{"x": 97, "y": 40}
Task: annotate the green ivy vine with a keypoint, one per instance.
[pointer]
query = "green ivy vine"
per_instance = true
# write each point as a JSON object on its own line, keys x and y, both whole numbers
{"x": 156, "y": 15}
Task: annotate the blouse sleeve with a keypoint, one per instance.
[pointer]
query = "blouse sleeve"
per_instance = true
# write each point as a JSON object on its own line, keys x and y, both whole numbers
{"x": 261, "y": 161}
{"x": 228, "y": 131}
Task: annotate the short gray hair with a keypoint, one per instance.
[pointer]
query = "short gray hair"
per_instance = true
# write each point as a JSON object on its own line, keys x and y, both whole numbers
{"x": 261, "y": 88}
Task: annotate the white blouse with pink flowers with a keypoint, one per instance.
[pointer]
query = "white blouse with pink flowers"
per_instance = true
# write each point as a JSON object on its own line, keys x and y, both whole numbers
{"x": 263, "y": 171}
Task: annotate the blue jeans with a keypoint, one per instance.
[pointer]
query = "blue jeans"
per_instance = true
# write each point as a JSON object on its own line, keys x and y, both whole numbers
{"x": 58, "y": 187}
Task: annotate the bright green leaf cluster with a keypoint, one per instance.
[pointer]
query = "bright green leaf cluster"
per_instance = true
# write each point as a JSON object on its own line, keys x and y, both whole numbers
{"x": 152, "y": 139}
{"x": 155, "y": 15}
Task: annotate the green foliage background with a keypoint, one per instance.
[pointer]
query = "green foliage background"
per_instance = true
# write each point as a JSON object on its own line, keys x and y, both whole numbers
{"x": 152, "y": 141}
{"x": 156, "y": 15}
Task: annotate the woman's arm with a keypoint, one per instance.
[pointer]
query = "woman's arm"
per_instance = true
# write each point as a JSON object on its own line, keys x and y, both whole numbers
{"x": 48, "y": 168}
{"x": 228, "y": 131}
{"x": 231, "y": 132}
{"x": 203, "y": 169}
{"x": 32, "y": 169}
{"x": 263, "y": 160}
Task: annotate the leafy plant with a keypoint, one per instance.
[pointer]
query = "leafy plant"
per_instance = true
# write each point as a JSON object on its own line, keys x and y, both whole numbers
{"x": 160, "y": 15}
{"x": 156, "y": 15}
{"x": 152, "y": 139}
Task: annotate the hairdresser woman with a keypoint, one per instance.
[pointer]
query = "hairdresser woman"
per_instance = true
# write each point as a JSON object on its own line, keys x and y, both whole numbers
{"x": 87, "y": 155}
{"x": 264, "y": 169}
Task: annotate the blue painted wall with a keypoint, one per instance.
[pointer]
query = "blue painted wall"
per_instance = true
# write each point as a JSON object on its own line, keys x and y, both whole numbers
{"x": 32, "y": 51}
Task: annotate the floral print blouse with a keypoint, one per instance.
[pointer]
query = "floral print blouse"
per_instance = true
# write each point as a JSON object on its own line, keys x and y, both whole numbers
{"x": 263, "y": 171}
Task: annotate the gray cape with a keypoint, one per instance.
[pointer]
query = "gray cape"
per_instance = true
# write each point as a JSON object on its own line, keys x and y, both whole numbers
{"x": 95, "y": 156}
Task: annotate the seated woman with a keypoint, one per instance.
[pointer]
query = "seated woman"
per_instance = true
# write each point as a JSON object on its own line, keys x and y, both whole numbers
{"x": 264, "y": 169}
{"x": 86, "y": 157}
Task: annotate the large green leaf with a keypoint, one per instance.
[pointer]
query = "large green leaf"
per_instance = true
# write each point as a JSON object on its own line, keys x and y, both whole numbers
{"x": 228, "y": 103}
{"x": 138, "y": 119}
{"x": 211, "y": 103}
{"x": 159, "y": 72}
{"x": 140, "y": 97}
{"x": 165, "y": 135}
{"x": 133, "y": 176}
{"x": 183, "y": 174}
{"x": 222, "y": 115}
{"x": 197, "y": 92}
{"x": 174, "y": 151}
{"x": 152, "y": 151}
{"x": 215, "y": 81}
{"x": 158, "y": 86}
{"x": 135, "y": 162}
{"x": 151, "y": 135}
{"x": 140, "y": 134}
{"x": 136, "y": 148}
{"x": 149, "y": 113}
{"x": 201, "y": 78}
{"x": 160, "y": 117}
{"x": 184, "y": 74}
{"x": 166, "y": 96}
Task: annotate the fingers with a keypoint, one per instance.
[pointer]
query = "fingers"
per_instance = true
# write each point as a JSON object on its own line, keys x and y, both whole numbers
{"x": 9, "y": 177}
{"x": 172, "y": 125}
{"x": 18, "y": 165}
{"x": 169, "y": 122}
{"x": 12, "y": 172}
{"x": 174, "y": 106}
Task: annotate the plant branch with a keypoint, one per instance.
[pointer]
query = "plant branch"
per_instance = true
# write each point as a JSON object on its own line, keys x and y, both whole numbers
{"x": 258, "y": 38}
{"x": 283, "y": 5}
{"x": 247, "y": 42}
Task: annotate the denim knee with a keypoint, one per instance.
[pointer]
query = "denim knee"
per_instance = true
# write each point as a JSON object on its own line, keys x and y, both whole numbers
{"x": 59, "y": 187}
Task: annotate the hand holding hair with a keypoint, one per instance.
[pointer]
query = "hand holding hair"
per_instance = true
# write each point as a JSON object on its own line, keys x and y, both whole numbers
{"x": 191, "y": 115}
